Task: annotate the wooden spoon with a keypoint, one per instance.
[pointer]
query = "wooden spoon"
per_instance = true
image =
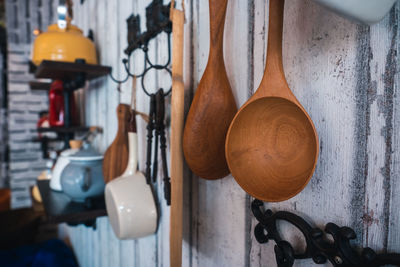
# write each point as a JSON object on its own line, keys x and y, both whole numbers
{"x": 272, "y": 145}
{"x": 116, "y": 156}
{"x": 212, "y": 109}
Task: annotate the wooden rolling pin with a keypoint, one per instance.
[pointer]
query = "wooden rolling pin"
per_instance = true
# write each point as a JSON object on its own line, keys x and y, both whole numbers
{"x": 177, "y": 112}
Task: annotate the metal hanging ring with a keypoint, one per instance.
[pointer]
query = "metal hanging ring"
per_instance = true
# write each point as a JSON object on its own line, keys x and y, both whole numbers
{"x": 127, "y": 65}
{"x": 159, "y": 66}
{"x": 143, "y": 77}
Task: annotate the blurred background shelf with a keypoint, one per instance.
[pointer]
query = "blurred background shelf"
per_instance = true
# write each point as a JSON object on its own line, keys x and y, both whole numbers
{"x": 58, "y": 70}
{"x": 37, "y": 85}
{"x": 72, "y": 129}
{"x": 59, "y": 208}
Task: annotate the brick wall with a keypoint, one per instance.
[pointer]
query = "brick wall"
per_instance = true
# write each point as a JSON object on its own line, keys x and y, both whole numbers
{"x": 3, "y": 127}
{"x": 24, "y": 105}
{"x": 23, "y": 16}
{"x": 26, "y": 161}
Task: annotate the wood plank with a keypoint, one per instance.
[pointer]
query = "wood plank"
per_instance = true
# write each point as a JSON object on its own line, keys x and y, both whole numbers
{"x": 188, "y": 66}
{"x": 312, "y": 50}
{"x": 258, "y": 36}
{"x": 199, "y": 61}
{"x": 219, "y": 207}
{"x": 328, "y": 67}
{"x": 147, "y": 249}
{"x": 394, "y": 212}
{"x": 377, "y": 183}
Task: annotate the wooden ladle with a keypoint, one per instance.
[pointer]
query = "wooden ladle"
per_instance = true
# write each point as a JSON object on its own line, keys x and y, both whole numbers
{"x": 272, "y": 145}
{"x": 212, "y": 109}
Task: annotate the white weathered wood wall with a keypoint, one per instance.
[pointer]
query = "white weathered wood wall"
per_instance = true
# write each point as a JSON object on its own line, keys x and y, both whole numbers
{"x": 346, "y": 77}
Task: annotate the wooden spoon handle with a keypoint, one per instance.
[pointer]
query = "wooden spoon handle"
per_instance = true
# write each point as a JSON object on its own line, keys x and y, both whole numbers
{"x": 217, "y": 23}
{"x": 274, "y": 64}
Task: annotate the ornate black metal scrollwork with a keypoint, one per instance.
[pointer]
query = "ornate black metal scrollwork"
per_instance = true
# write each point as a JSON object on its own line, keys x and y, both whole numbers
{"x": 157, "y": 21}
{"x": 320, "y": 249}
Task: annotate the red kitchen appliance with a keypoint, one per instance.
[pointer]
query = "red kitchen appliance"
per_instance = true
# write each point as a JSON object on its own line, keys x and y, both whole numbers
{"x": 57, "y": 105}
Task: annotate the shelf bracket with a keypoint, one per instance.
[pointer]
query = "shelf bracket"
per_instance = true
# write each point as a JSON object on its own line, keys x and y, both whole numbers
{"x": 339, "y": 252}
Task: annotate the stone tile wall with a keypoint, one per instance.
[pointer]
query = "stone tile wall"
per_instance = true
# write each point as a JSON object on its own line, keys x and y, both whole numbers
{"x": 24, "y": 105}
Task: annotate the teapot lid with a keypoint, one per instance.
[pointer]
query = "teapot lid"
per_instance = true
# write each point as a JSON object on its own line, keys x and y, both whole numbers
{"x": 86, "y": 153}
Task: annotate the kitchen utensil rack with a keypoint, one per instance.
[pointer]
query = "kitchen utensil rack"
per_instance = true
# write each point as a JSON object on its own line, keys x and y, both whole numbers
{"x": 157, "y": 22}
{"x": 339, "y": 252}
{"x": 59, "y": 208}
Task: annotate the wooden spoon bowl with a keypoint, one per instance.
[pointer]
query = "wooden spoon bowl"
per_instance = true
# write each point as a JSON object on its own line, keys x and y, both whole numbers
{"x": 272, "y": 144}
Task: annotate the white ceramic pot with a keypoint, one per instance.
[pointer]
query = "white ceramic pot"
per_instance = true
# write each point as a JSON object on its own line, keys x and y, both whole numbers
{"x": 61, "y": 163}
{"x": 365, "y": 11}
{"x": 130, "y": 202}
{"x": 83, "y": 178}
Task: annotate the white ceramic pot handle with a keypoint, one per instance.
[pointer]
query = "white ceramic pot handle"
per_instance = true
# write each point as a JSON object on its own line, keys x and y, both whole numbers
{"x": 87, "y": 182}
{"x": 133, "y": 154}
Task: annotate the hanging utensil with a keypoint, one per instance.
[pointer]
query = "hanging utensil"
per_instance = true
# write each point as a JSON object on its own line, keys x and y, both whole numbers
{"x": 156, "y": 124}
{"x": 129, "y": 199}
{"x": 150, "y": 129}
{"x": 177, "y": 112}
{"x": 272, "y": 145}
{"x": 160, "y": 129}
{"x": 116, "y": 156}
{"x": 213, "y": 107}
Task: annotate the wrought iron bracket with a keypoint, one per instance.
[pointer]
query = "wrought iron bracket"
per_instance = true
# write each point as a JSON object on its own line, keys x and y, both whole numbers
{"x": 318, "y": 247}
{"x": 157, "y": 21}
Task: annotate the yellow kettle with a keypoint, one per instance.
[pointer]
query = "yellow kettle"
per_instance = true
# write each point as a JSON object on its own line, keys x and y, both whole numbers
{"x": 63, "y": 42}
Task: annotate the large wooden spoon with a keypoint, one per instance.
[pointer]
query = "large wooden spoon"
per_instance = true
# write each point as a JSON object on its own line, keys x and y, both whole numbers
{"x": 213, "y": 107}
{"x": 116, "y": 157}
{"x": 272, "y": 145}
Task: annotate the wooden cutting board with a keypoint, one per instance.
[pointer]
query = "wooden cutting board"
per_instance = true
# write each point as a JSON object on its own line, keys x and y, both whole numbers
{"x": 116, "y": 156}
